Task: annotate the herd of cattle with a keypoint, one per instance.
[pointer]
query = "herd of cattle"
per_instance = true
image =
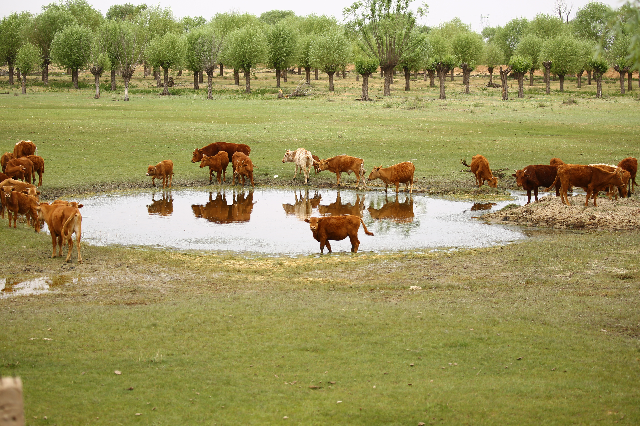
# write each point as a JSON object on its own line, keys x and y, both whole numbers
{"x": 19, "y": 195}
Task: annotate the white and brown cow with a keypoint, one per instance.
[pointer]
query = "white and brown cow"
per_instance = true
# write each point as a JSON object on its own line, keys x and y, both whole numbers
{"x": 303, "y": 160}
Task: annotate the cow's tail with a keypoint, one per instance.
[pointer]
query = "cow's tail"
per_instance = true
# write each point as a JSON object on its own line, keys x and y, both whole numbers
{"x": 554, "y": 183}
{"x": 69, "y": 226}
{"x": 366, "y": 231}
{"x": 464, "y": 163}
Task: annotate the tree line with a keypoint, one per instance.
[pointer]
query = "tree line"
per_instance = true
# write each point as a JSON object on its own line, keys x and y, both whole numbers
{"x": 375, "y": 35}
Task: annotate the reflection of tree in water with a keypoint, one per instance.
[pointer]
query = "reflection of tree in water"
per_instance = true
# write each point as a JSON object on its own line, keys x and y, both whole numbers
{"x": 303, "y": 206}
{"x": 163, "y": 206}
{"x": 393, "y": 215}
{"x": 217, "y": 210}
{"x": 339, "y": 208}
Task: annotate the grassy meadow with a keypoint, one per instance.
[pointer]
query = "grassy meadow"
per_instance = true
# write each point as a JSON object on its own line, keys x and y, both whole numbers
{"x": 542, "y": 331}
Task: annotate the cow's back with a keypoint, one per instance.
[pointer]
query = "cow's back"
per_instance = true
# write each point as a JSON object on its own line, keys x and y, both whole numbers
{"x": 402, "y": 172}
{"x": 540, "y": 175}
{"x": 24, "y": 148}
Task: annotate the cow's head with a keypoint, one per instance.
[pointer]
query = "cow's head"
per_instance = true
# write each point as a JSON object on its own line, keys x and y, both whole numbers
{"x": 493, "y": 182}
{"x": 197, "y": 155}
{"x": 313, "y": 223}
{"x": 151, "y": 171}
{"x": 323, "y": 165}
{"x": 288, "y": 156}
{"x": 205, "y": 161}
{"x": 519, "y": 175}
{"x": 556, "y": 162}
{"x": 375, "y": 173}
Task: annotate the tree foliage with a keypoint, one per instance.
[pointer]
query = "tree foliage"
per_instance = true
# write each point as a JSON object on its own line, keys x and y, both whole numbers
{"x": 330, "y": 53}
{"x": 507, "y": 37}
{"x": 124, "y": 12}
{"x": 591, "y": 22}
{"x": 43, "y": 29}
{"x": 281, "y": 50}
{"x": 166, "y": 51}
{"x": 71, "y": 48}
{"x": 246, "y": 48}
{"x": 27, "y": 60}
{"x": 12, "y": 38}
{"x": 563, "y": 54}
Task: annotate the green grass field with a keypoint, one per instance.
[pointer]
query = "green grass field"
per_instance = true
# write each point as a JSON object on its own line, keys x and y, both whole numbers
{"x": 543, "y": 331}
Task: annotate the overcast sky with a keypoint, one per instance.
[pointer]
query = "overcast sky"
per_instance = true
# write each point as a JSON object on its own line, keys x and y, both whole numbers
{"x": 476, "y": 13}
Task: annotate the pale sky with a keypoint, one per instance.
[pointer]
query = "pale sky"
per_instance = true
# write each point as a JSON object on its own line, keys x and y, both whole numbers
{"x": 476, "y": 13}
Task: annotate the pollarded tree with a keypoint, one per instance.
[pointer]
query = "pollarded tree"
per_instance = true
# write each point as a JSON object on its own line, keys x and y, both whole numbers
{"x": 246, "y": 48}
{"x": 507, "y": 37}
{"x": 493, "y": 57}
{"x": 227, "y": 23}
{"x": 195, "y": 53}
{"x": 619, "y": 56}
{"x": 167, "y": 51}
{"x": 442, "y": 57}
{"x": 530, "y": 47}
{"x": 27, "y": 59}
{"x": 563, "y": 53}
{"x": 591, "y": 23}
{"x": 12, "y": 38}
{"x": 281, "y": 51}
{"x": 330, "y": 53}
{"x": 599, "y": 66}
{"x": 467, "y": 48}
{"x": 385, "y": 27}
{"x": 212, "y": 40}
{"x": 520, "y": 65}
{"x": 108, "y": 35}
{"x": 71, "y": 48}
{"x": 99, "y": 63}
{"x": 365, "y": 67}
{"x": 304, "y": 55}
{"x": 132, "y": 40}
{"x": 414, "y": 59}
{"x": 310, "y": 27}
{"x": 586, "y": 50}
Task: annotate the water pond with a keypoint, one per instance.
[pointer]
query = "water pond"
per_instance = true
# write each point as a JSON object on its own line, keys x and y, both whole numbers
{"x": 271, "y": 221}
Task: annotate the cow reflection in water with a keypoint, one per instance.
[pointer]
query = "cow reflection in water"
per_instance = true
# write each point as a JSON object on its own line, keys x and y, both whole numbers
{"x": 482, "y": 206}
{"x": 394, "y": 210}
{"x": 303, "y": 206}
{"x": 339, "y": 208}
{"x": 217, "y": 210}
{"x": 163, "y": 206}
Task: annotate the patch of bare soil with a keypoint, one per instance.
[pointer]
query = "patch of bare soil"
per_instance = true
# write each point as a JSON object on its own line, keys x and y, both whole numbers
{"x": 550, "y": 212}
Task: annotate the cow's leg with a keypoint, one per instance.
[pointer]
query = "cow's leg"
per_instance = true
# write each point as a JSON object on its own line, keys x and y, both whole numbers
{"x": 328, "y": 246}
{"x": 397, "y": 187}
{"x": 295, "y": 173}
{"x": 535, "y": 192}
{"x": 78, "y": 237}
{"x": 70, "y": 243}
{"x": 153, "y": 181}
{"x": 355, "y": 243}
{"x": 53, "y": 243}
{"x": 338, "y": 178}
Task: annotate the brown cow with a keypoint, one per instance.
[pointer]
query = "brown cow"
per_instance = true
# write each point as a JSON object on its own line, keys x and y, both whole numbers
{"x": 303, "y": 160}
{"x": 24, "y": 162}
{"x": 164, "y": 170}
{"x": 9, "y": 184}
{"x": 19, "y": 203}
{"x": 337, "y": 228}
{"x": 3, "y": 177}
{"x": 38, "y": 167}
{"x": 611, "y": 190}
{"x": 590, "y": 178}
{"x": 480, "y": 168}
{"x": 344, "y": 163}
{"x": 397, "y": 174}
{"x": 5, "y": 159}
{"x": 555, "y": 161}
{"x": 24, "y": 148}
{"x": 63, "y": 221}
{"x": 18, "y": 172}
{"x": 630, "y": 164}
{"x": 218, "y": 163}
{"x": 316, "y": 163}
{"x": 242, "y": 166}
{"x": 536, "y": 175}
{"x": 213, "y": 148}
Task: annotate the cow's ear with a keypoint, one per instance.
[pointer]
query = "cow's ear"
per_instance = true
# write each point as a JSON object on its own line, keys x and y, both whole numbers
{"x": 307, "y": 220}
{"x": 514, "y": 175}
{"x": 80, "y": 205}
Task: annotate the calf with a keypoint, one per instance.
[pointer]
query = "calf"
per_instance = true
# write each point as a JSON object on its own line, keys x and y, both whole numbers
{"x": 480, "y": 168}
{"x": 24, "y": 148}
{"x": 164, "y": 170}
{"x": 7, "y": 185}
{"x": 630, "y": 164}
{"x": 396, "y": 174}
{"x": 63, "y": 220}
{"x": 24, "y": 162}
{"x": 316, "y": 163}
{"x": 218, "y": 163}
{"x": 590, "y": 178}
{"x": 38, "y": 167}
{"x": 344, "y": 163}
{"x": 242, "y": 166}
{"x": 534, "y": 176}
{"x": 18, "y": 172}
{"x": 5, "y": 159}
{"x": 303, "y": 160}
{"x": 337, "y": 228}
{"x": 19, "y": 203}
{"x": 213, "y": 148}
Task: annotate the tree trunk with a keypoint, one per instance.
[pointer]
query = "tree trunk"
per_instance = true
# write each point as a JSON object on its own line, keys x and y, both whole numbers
{"x": 579, "y": 77}
{"x": 505, "y": 83}
{"x": 531, "y": 77}
{"x": 299, "y": 70}
{"x": 307, "y": 72}
{"x": 97, "y": 77}
{"x": 442, "y": 75}
{"x": 622, "y": 72}
{"x": 407, "y": 78}
{"x": 165, "y": 91}
{"x": 113, "y": 79}
{"x": 330, "y": 74}
{"x": 236, "y": 76}
{"x": 209, "y": 83}
{"x": 24, "y": 84}
{"x": 284, "y": 75}
{"x": 278, "y": 78}
{"x": 547, "y": 79}
{"x": 11, "y": 74}
{"x": 74, "y": 77}
{"x": 365, "y": 87}
{"x": 201, "y": 77}
{"x": 126, "y": 89}
{"x": 451, "y": 73}
{"x": 589, "y": 78}
{"x": 598, "y": 77}
{"x": 221, "y": 70}
{"x": 466, "y": 74}
{"x": 45, "y": 73}
{"x": 426, "y": 74}
{"x": 316, "y": 71}
{"x": 520, "y": 84}
{"x": 388, "y": 78}
{"x": 561, "y": 78}
{"x": 247, "y": 81}
{"x": 196, "y": 81}
{"x": 18, "y": 74}
{"x": 629, "y": 80}
{"x": 127, "y": 73}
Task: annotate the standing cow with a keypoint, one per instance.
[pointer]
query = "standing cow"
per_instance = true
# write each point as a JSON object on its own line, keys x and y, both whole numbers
{"x": 215, "y": 147}
{"x": 537, "y": 175}
{"x": 63, "y": 220}
{"x": 24, "y": 148}
{"x": 630, "y": 164}
{"x": 218, "y": 163}
{"x": 242, "y": 167}
{"x": 337, "y": 228}
{"x": 590, "y": 178}
{"x": 344, "y": 164}
{"x": 164, "y": 170}
{"x": 480, "y": 168}
{"x": 303, "y": 160}
{"x": 396, "y": 174}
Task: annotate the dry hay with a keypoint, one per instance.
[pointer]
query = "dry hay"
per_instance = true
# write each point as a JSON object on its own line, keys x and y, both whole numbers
{"x": 550, "y": 212}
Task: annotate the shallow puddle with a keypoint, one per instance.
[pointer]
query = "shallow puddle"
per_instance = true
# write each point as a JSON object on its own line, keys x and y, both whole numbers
{"x": 16, "y": 287}
{"x": 272, "y": 221}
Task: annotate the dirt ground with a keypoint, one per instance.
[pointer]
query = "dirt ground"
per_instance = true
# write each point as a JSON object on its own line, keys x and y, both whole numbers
{"x": 550, "y": 212}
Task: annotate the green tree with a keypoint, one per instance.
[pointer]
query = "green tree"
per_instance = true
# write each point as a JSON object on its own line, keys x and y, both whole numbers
{"x": 413, "y": 59}
{"x": 109, "y": 36}
{"x": 385, "y": 27}
{"x": 330, "y": 52}
{"x": 42, "y": 30}
{"x": 12, "y": 29}
{"x": 98, "y": 64}
{"x": 507, "y": 37}
{"x": 442, "y": 57}
{"x": 450, "y": 30}
{"x": 27, "y": 59}
{"x": 227, "y": 23}
{"x": 281, "y": 50}
{"x": 195, "y": 53}
{"x": 563, "y": 53}
{"x": 212, "y": 41}
{"x": 84, "y": 13}
{"x": 365, "y": 66}
{"x": 520, "y": 65}
{"x": 586, "y": 50}
{"x": 124, "y": 12}
{"x": 599, "y": 66}
{"x": 619, "y": 56}
{"x": 467, "y": 48}
{"x": 493, "y": 57}
{"x": 311, "y": 27}
{"x": 246, "y": 48}
{"x": 71, "y": 48}
{"x": 530, "y": 47}
{"x": 546, "y": 27}
{"x": 591, "y": 23}
{"x": 166, "y": 51}
{"x": 132, "y": 42}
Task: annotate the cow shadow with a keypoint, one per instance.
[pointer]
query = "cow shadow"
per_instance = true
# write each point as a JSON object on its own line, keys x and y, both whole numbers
{"x": 394, "y": 210}
{"x": 303, "y": 206}
{"x": 339, "y": 207}
{"x": 162, "y": 206}
{"x": 218, "y": 210}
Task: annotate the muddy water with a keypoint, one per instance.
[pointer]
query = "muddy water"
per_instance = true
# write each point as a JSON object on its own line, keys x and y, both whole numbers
{"x": 16, "y": 287}
{"x": 272, "y": 221}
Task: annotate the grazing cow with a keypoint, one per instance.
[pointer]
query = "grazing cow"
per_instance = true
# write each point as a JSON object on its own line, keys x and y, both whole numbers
{"x": 19, "y": 203}
{"x": 5, "y": 159}
{"x": 534, "y": 176}
{"x": 316, "y": 163}
{"x": 24, "y": 162}
{"x": 394, "y": 211}
{"x": 303, "y": 160}
{"x": 38, "y": 167}
{"x": 24, "y": 148}
{"x": 337, "y": 228}
{"x": 480, "y": 168}
{"x": 213, "y": 148}
{"x": 396, "y": 174}
{"x": 590, "y": 178}
{"x": 164, "y": 170}
{"x": 218, "y": 163}
{"x": 611, "y": 190}
{"x": 63, "y": 220}
{"x": 242, "y": 166}
{"x": 344, "y": 163}
{"x": 630, "y": 164}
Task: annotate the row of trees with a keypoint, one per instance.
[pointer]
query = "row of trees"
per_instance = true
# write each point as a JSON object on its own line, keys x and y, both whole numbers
{"x": 377, "y": 34}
